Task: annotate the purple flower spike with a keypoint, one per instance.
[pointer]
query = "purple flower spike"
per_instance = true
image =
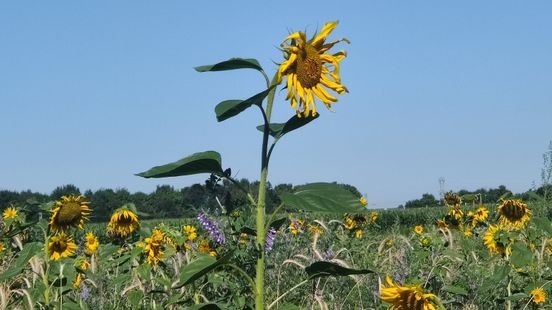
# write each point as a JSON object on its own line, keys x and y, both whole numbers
{"x": 210, "y": 227}
{"x": 270, "y": 237}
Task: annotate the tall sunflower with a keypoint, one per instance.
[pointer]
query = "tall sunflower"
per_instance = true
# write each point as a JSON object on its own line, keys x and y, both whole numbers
{"x": 514, "y": 213}
{"x": 310, "y": 70}
{"x": 69, "y": 211}
{"x": 60, "y": 246}
{"x": 123, "y": 223}
{"x": 407, "y": 297}
{"x": 153, "y": 247}
{"x": 91, "y": 243}
{"x": 496, "y": 239}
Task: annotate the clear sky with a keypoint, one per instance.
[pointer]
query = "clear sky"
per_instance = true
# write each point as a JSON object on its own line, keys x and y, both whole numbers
{"x": 93, "y": 92}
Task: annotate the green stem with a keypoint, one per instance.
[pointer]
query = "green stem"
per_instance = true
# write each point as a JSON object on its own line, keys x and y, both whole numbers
{"x": 261, "y": 235}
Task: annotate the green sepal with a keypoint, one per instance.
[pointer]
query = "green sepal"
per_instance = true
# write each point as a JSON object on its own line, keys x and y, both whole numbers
{"x": 229, "y": 108}
{"x": 232, "y": 64}
{"x": 277, "y": 130}
{"x": 203, "y": 162}
{"x": 324, "y": 269}
{"x": 323, "y": 197}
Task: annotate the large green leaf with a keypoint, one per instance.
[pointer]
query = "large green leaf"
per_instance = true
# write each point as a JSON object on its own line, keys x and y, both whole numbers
{"x": 204, "y": 162}
{"x": 232, "y": 64}
{"x": 229, "y": 108}
{"x": 279, "y": 129}
{"x": 201, "y": 267}
{"x": 324, "y": 269}
{"x": 521, "y": 255}
{"x": 322, "y": 197}
{"x": 28, "y": 251}
{"x": 458, "y": 290}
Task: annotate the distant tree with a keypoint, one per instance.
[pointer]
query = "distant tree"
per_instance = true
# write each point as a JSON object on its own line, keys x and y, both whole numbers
{"x": 64, "y": 190}
{"x": 166, "y": 201}
{"x": 427, "y": 200}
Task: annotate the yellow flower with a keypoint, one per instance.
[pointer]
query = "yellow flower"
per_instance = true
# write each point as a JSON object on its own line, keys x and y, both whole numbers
{"x": 10, "y": 213}
{"x": 468, "y": 233}
{"x": 123, "y": 223}
{"x": 153, "y": 247}
{"x": 481, "y": 214}
{"x": 442, "y": 224}
{"x": 2, "y": 247}
{"x": 190, "y": 231}
{"x": 419, "y": 229}
{"x": 453, "y": 199}
{"x": 373, "y": 216}
{"x": 315, "y": 229}
{"x": 244, "y": 239}
{"x": 538, "y": 295}
{"x": 213, "y": 253}
{"x": 350, "y": 223}
{"x": 205, "y": 248}
{"x": 456, "y": 213}
{"x": 389, "y": 242}
{"x": 310, "y": 70}
{"x": 363, "y": 201}
{"x": 84, "y": 265}
{"x": 91, "y": 243}
{"x": 407, "y": 297}
{"x": 60, "y": 246}
{"x": 78, "y": 280}
{"x": 358, "y": 234}
{"x": 69, "y": 211}
{"x": 514, "y": 213}
{"x": 295, "y": 226}
{"x": 496, "y": 239}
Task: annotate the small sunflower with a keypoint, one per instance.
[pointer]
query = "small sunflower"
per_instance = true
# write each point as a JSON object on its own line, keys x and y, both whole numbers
{"x": 468, "y": 232}
{"x": 452, "y": 199}
{"x": 373, "y": 216}
{"x": 310, "y": 71}
{"x": 69, "y": 211}
{"x": 350, "y": 223}
{"x": 295, "y": 227}
{"x": 91, "y": 243}
{"x": 2, "y": 247}
{"x": 442, "y": 224}
{"x": 538, "y": 295}
{"x": 153, "y": 247}
{"x": 456, "y": 213}
{"x": 363, "y": 201}
{"x": 407, "y": 297}
{"x": 78, "y": 280}
{"x": 514, "y": 213}
{"x": 9, "y": 213}
{"x": 315, "y": 229}
{"x": 481, "y": 214}
{"x": 60, "y": 246}
{"x": 419, "y": 229}
{"x": 205, "y": 248}
{"x": 358, "y": 234}
{"x": 84, "y": 265}
{"x": 496, "y": 240}
{"x": 123, "y": 223}
{"x": 190, "y": 231}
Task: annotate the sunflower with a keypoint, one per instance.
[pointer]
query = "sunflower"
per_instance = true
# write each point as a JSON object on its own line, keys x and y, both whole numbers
{"x": 514, "y": 213}
{"x": 442, "y": 224}
{"x": 296, "y": 226}
{"x": 153, "y": 247}
{"x": 205, "y": 248}
{"x": 9, "y": 213}
{"x": 407, "y": 297}
{"x": 315, "y": 229}
{"x": 452, "y": 199}
{"x": 456, "y": 213}
{"x": 190, "y": 231}
{"x": 91, "y": 243}
{"x": 481, "y": 214}
{"x": 69, "y": 211}
{"x": 78, "y": 280}
{"x": 123, "y": 223}
{"x": 350, "y": 223}
{"x": 84, "y": 265}
{"x": 373, "y": 216}
{"x": 468, "y": 232}
{"x": 419, "y": 229}
{"x": 2, "y": 247}
{"x": 363, "y": 201}
{"x": 496, "y": 240}
{"x": 538, "y": 295}
{"x": 310, "y": 70}
{"x": 358, "y": 234}
{"x": 60, "y": 246}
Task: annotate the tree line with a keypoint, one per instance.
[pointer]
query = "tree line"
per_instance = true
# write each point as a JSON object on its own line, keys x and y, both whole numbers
{"x": 215, "y": 196}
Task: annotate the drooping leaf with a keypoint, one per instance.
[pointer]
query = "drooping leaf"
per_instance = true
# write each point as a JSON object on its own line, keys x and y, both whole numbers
{"x": 203, "y": 162}
{"x": 201, "y": 267}
{"x": 322, "y": 197}
{"x": 229, "y": 108}
{"x": 324, "y": 269}
{"x": 455, "y": 290}
{"x": 277, "y": 130}
{"x": 232, "y": 64}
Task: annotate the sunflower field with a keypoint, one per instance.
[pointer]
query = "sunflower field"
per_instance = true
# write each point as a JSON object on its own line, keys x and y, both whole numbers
{"x": 320, "y": 248}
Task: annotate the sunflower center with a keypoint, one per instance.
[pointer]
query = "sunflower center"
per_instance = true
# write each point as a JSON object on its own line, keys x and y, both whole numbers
{"x": 309, "y": 67}
{"x": 69, "y": 213}
{"x": 513, "y": 212}
{"x": 59, "y": 246}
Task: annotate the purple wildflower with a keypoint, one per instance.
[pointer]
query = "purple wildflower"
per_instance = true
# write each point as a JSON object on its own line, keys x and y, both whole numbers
{"x": 85, "y": 292}
{"x": 270, "y": 237}
{"x": 210, "y": 227}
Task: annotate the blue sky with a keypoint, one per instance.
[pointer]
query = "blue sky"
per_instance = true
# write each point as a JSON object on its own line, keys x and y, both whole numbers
{"x": 92, "y": 93}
